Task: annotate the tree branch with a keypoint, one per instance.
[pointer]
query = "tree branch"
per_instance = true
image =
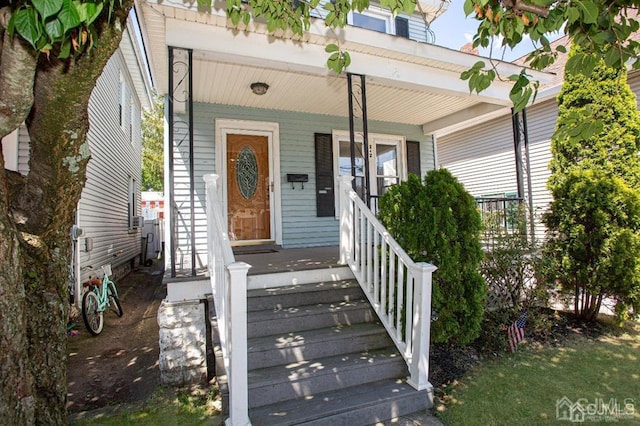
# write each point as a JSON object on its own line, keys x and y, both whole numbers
{"x": 522, "y": 6}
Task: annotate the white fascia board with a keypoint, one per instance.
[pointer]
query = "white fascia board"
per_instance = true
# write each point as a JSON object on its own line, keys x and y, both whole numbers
{"x": 255, "y": 49}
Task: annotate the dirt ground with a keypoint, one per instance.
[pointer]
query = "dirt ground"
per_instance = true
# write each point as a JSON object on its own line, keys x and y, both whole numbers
{"x": 121, "y": 364}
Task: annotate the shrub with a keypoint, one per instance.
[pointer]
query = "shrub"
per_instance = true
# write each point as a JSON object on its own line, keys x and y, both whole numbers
{"x": 594, "y": 219}
{"x": 594, "y": 240}
{"x": 437, "y": 221}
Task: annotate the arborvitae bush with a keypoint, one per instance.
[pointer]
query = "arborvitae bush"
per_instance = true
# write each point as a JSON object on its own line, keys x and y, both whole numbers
{"x": 594, "y": 220}
{"x": 437, "y": 221}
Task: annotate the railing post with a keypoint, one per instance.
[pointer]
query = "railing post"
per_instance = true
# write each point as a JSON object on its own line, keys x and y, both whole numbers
{"x": 419, "y": 366}
{"x": 346, "y": 220}
{"x": 211, "y": 188}
{"x": 239, "y": 384}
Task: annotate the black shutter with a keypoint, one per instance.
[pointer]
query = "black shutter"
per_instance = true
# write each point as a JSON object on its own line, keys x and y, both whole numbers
{"x": 413, "y": 158}
{"x": 325, "y": 201}
{"x": 402, "y": 27}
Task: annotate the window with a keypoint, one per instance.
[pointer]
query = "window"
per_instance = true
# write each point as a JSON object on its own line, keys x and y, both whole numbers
{"x": 374, "y": 18}
{"x": 387, "y": 164}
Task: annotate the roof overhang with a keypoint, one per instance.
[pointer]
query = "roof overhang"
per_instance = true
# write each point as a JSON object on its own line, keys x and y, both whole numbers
{"x": 407, "y": 81}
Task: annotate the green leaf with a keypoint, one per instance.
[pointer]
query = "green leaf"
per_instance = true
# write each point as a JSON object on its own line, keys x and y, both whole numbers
{"x": 562, "y": 49}
{"x": 69, "y": 15}
{"x": 612, "y": 57}
{"x": 588, "y": 11}
{"x": 26, "y": 24}
{"x": 65, "y": 49}
{"x": 47, "y": 8}
{"x": 54, "y": 29}
{"x": 468, "y": 7}
{"x": 331, "y": 48}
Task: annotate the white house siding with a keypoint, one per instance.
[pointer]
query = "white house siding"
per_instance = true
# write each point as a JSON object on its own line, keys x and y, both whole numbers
{"x": 300, "y": 225}
{"x": 541, "y": 122}
{"x": 103, "y": 212}
{"x": 23, "y": 150}
{"x": 481, "y": 157}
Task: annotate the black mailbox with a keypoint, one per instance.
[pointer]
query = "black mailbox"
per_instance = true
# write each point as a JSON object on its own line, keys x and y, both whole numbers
{"x": 293, "y": 178}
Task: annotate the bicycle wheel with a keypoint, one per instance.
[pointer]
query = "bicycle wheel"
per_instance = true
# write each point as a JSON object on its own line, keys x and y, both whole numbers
{"x": 114, "y": 300}
{"x": 93, "y": 318}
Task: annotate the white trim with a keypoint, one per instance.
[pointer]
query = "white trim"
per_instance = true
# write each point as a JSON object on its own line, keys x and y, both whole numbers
{"x": 223, "y": 127}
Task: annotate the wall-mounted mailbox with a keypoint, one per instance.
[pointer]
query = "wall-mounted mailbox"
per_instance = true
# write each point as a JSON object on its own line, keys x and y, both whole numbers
{"x": 293, "y": 178}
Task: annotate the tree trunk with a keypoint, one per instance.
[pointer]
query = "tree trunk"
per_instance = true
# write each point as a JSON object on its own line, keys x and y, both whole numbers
{"x": 35, "y": 220}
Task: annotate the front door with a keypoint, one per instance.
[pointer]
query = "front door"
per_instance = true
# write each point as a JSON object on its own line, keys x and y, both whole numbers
{"x": 248, "y": 188}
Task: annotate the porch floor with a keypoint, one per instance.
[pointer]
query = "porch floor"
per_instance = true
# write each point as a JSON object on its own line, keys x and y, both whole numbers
{"x": 272, "y": 259}
{"x": 268, "y": 260}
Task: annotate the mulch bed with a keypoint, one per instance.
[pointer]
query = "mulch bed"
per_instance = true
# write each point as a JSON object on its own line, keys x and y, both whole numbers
{"x": 448, "y": 363}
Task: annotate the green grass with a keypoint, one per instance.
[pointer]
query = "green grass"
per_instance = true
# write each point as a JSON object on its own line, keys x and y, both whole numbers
{"x": 522, "y": 389}
{"x": 167, "y": 406}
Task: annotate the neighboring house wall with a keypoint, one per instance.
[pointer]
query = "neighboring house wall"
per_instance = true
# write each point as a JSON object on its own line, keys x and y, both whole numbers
{"x": 111, "y": 195}
{"x": 114, "y": 171}
{"x": 482, "y": 157}
{"x": 300, "y": 225}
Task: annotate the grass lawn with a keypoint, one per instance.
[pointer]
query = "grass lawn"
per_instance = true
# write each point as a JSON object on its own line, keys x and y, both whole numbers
{"x": 170, "y": 407}
{"x": 523, "y": 388}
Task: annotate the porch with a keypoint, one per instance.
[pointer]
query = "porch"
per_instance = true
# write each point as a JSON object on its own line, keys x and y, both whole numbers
{"x": 314, "y": 335}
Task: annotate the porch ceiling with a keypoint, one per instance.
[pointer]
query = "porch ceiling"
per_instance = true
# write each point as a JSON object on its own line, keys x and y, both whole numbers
{"x": 407, "y": 82}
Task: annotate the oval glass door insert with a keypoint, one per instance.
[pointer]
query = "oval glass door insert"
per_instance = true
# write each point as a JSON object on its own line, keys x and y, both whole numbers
{"x": 247, "y": 172}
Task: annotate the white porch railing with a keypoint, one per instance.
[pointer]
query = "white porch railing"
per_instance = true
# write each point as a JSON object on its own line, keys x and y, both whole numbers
{"x": 398, "y": 288}
{"x": 229, "y": 286}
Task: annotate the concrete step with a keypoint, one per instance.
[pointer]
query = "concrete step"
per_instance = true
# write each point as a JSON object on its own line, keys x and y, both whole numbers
{"x": 279, "y": 298}
{"x": 294, "y": 347}
{"x": 309, "y": 317}
{"x": 360, "y": 405}
{"x": 309, "y": 377}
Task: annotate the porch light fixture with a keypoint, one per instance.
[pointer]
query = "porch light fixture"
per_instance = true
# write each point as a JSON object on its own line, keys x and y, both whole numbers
{"x": 259, "y": 88}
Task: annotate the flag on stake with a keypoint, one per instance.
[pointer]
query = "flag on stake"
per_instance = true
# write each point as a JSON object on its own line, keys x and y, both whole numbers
{"x": 515, "y": 332}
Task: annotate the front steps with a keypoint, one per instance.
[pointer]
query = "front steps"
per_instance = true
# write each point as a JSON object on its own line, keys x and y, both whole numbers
{"x": 317, "y": 355}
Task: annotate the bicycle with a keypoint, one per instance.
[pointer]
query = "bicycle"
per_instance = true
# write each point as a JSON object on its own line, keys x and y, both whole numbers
{"x": 97, "y": 298}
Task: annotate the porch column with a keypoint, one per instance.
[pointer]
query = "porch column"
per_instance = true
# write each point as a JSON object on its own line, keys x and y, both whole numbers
{"x": 358, "y": 111}
{"x": 181, "y": 189}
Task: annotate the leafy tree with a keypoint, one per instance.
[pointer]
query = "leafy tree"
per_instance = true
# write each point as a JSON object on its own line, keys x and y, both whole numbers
{"x": 437, "y": 221}
{"x": 594, "y": 219}
{"x": 153, "y": 148}
{"x": 601, "y": 28}
{"x": 46, "y": 79}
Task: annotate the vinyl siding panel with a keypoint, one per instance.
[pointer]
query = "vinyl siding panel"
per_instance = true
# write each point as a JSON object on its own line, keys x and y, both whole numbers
{"x": 115, "y": 158}
{"x": 23, "y": 150}
{"x": 300, "y": 225}
{"x": 541, "y": 121}
{"x": 481, "y": 158}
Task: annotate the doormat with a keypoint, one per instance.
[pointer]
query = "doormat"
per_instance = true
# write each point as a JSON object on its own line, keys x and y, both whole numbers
{"x": 253, "y": 250}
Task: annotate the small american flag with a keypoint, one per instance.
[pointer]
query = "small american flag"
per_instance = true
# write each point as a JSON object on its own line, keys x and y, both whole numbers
{"x": 515, "y": 332}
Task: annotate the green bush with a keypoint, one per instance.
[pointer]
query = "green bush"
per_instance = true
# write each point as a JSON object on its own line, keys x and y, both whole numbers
{"x": 594, "y": 240}
{"x": 594, "y": 219}
{"x": 437, "y": 221}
